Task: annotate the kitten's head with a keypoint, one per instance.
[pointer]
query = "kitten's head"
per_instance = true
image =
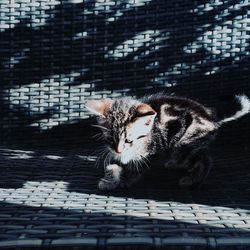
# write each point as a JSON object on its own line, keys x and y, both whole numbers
{"x": 126, "y": 126}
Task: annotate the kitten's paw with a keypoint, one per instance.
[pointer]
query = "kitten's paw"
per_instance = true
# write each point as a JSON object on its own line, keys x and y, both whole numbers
{"x": 105, "y": 184}
{"x": 111, "y": 180}
{"x": 186, "y": 182}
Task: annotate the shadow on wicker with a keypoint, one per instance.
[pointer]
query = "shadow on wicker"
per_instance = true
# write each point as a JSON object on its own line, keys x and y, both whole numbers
{"x": 47, "y": 71}
{"x": 49, "y": 198}
{"x": 94, "y": 49}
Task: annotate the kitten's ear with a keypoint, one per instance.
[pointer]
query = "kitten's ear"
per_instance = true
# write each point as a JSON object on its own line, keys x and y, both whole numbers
{"x": 145, "y": 114}
{"x": 144, "y": 109}
{"x": 99, "y": 107}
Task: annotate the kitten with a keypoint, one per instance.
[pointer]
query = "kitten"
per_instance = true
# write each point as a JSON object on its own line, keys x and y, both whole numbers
{"x": 136, "y": 130}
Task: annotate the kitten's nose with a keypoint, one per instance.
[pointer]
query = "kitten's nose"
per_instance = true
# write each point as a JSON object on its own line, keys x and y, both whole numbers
{"x": 119, "y": 148}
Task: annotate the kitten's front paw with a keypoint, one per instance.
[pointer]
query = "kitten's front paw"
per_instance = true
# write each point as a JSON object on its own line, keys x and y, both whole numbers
{"x": 111, "y": 180}
{"x": 105, "y": 184}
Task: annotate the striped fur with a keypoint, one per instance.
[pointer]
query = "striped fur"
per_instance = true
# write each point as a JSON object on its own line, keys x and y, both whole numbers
{"x": 136, "y": 130}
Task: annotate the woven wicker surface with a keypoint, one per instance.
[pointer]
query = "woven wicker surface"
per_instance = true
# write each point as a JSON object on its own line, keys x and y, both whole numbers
{"x": 56, "y": 54}
{"x": 49, "y": 198}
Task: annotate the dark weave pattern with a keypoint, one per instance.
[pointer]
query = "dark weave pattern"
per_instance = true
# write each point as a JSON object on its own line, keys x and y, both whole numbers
{"x": 49, "y": 198}
{"x": 55, "y": 54}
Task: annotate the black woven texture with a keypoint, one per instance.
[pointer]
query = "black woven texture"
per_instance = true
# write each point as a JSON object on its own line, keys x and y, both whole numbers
{"x": 50, "y": 199}
{"x": 54, "y": 55}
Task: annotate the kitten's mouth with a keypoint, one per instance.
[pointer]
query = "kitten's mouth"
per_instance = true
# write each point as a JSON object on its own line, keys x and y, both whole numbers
{"x": 116, "y": 151}
{"x": 122, "y": 156}
{"x": 116, "y": 154}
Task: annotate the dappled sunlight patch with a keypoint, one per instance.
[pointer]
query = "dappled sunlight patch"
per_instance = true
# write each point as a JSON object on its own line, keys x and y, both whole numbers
{"x": 149, "y": 40}
{"x": 15, "y": 154}
{"x": 22, "y": 10}
{"x": 55, "y": 195}
{"x": 226, "y": 39}
{"x": 52, "y": 157}
{"x": 80, "y": 35}
{"x": 16, "y": 58}
{"x": 42, "y": 98}
{"x": 12, "y": 154}
{"x": 87, "y": 158}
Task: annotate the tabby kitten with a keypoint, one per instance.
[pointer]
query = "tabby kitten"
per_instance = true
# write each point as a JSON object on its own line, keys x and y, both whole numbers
{"x": 136, "y": 130}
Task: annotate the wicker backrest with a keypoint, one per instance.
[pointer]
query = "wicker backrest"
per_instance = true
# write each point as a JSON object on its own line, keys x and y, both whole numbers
{"x": 56, "y": 54}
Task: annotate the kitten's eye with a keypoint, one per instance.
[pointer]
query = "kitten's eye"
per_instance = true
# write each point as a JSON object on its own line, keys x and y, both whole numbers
{"x": 128, "y": 141}
{"x": 142, "y": 136}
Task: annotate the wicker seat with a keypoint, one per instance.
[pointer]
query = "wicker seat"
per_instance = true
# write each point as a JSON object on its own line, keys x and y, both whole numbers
{"x": 49, "y": 198}
{"x": 56, "y": 54}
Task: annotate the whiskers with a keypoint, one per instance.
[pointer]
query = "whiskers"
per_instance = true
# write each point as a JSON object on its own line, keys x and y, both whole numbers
{"x": 100, "y": 127}
{"x": 104, "y": 135}
{"x": 107, "y": 158}
{"x": 145, "y": 161}
{"x": 99, "y": 136}
{"x": 139, "y": 164}
{"x": 103, "y": 156}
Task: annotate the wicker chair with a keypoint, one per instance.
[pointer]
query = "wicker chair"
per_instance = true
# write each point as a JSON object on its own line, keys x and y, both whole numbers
{"x": 56, "y": 54}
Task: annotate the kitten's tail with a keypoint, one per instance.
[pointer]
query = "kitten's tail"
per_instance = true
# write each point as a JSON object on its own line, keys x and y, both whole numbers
{"x": 245, "y": 109}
